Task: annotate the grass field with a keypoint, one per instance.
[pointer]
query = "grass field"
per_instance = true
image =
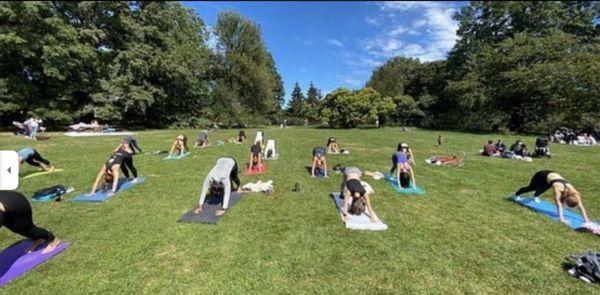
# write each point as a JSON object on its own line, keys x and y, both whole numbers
{"x": 462, "y": 237}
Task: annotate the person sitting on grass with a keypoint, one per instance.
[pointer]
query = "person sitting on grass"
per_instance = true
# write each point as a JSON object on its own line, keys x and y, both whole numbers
{"x": 519, "y": 149}
{"x": 355, "y": 196}
{"x": 255, "y": 156}
{"x": 202, "y": 139}
{"x": 332, "y": 146}
{"x": 219, "y": 182}
{"x": 401, "y": 166}
{"x": 33, "y": 158}
{"x": 17, "y": 216}
{"x": 564, "y": 192}
{"x": 109, "y": 172}
{"x": 500, "y": 148}
{"x": 489, "y": 150}
{"x": 179, "y": 146}
{"x": 319, "y": 163}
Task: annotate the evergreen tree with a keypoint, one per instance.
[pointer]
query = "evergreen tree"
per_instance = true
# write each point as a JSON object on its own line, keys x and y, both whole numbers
{"x": 297, "y": 101}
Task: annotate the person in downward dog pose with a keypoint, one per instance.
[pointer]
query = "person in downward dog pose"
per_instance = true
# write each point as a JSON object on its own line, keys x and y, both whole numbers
{"x": 255, "y": 156}
{"x": 355, "y": 195}
{"x": 402, "y": 168}
{"x": 319, "y": 163}
{"x": 33, "y": 158}
{"x": 16, "y": 215}
{"x": 219, "y": 182}
{"x": 179, "y": 146}
{"x": 109, "y": 172}
{"x": 564, "y": 192}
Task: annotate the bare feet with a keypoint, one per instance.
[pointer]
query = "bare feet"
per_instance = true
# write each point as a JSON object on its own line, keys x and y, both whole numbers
{"x": 51, "y": 246}
{"x": 220, "y": 212}
{"x": 33, "y": 246}
{"x": 198, "y": 210}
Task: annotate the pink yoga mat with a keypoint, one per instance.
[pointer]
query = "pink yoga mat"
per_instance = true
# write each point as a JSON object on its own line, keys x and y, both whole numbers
{"x": 14, "y": 261}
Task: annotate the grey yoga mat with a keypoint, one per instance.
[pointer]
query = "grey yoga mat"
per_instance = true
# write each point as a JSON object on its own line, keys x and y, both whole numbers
{"x": 211, "y": 205}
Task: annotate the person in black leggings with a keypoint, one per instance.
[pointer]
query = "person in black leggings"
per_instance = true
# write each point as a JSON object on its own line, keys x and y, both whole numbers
{"x": 16, "y": 215}
{"x": 564, "y": 192}
{"x": 110, "y": 171}
{"x": 132, "y": 144}
{"x": 33, "y": 158}
{"x": 127, "y": 152}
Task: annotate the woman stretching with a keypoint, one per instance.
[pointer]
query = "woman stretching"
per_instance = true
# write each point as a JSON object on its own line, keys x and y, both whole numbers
{"x": 179, "y": 146}
{"x": 564, "y": 192}
{"x": 332, "y": 146}
{"x": 219, "y": 181}
{"x": 202, "y": 139}
{"x": 255, "y": 156}
{"x": 356, "y": 196}
{"x": 319, "y": 163}
{"x": 401, "y": 166}
{"x": 16, "y": 215}
{"x": 109, "y": 173}
{"x": 33, "y": 158}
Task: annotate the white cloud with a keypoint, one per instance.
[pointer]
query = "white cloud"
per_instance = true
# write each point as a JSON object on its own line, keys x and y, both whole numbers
{"x": 372, "y": 21}
{"x": 408, "y": 5}
{"x": 335, "y": 42}
{"x": 437, "y": 26}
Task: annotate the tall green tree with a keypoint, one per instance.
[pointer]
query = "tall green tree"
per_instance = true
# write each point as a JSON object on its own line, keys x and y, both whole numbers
{"x": 349, "y": 109}
{"x": 313, "y": 101}
{"x": 245, "y": 70}
{"x": 297, "y": 101}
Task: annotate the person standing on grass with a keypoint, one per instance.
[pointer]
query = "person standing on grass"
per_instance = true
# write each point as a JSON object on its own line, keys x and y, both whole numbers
{"x": 33, "y": 158}
{"x": 564, "y": 192}
{"x": 440, "y": 140}
{"x": 17, "y": 216}
{"x": 219, "y": 182}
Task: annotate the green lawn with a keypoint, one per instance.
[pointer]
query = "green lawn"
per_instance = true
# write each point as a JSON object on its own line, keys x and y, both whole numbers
{"x": 462, "y": 237}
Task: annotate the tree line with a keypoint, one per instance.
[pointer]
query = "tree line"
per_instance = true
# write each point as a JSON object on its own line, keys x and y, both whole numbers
{"x": 520, "y": 66}
{"x": 134, "y": 63}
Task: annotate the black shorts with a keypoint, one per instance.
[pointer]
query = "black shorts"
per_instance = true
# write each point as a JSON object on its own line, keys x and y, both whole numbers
{"x": 354, "y": 186}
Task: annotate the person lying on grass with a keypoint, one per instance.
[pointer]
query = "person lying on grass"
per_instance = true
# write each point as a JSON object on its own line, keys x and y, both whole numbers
{"x": 400, "y": 166}
{"x": 109, "y": 172}
{"x": 33, "y": 158}
{"x": 356, "y": 196}
{"x": 332, "y": 146}
{"x": 202, "y": 139}
{"x": 446, "y": 160}
{"x": 255, "y": 156}
{"x": 179, "y": 146}
{"x": 218, "y": 181}
{"x": 319, "y": 162}
{"x": 564, "y": 192}
{"x": 16, "y": 215}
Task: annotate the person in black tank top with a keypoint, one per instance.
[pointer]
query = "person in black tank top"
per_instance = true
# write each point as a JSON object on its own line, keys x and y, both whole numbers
{"x": 109, "y": 173}
{"x": 564, "y": 192}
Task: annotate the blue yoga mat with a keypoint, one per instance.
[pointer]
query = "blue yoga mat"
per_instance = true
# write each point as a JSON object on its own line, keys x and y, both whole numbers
{"x": 177, "y": 157}
{"x": 45, "y": 198}
{"x": 411, "y": 190}
{"x": 546, "y": 208}
{"x": 102, "y": 195}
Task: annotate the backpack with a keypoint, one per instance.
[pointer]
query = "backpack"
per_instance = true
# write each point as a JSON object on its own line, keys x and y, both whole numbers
{"x": 53, "y": 192}
{"x": 586, "y": 267}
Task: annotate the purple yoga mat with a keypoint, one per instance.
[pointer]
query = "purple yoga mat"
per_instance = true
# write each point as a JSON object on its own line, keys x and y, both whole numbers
{"x": 14, "y": 261}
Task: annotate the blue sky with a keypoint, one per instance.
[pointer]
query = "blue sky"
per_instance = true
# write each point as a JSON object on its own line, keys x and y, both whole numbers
{"x": 337, "y": 44}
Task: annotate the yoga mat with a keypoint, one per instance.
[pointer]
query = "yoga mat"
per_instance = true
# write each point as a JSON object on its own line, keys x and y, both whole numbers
{"x": 177, "y": 157}
{"x": 211, "y": 205}
{"x": 14, "y": 262}
{"x": 44, "y": 199}
{"x": 261, "y": 169}
{"x": 85, "y": 134}
{"x": 359, "y": 222}
{"x": 40, "y": 173}
{"x": 102, "y": 194}
{"x": 411, "y": 190}
{"x": 546, "y": 208}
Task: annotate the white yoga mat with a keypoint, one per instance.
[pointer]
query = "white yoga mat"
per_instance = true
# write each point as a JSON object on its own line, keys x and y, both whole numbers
{"x": 84, "y": 134}
{"x": 359, "y": 222}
